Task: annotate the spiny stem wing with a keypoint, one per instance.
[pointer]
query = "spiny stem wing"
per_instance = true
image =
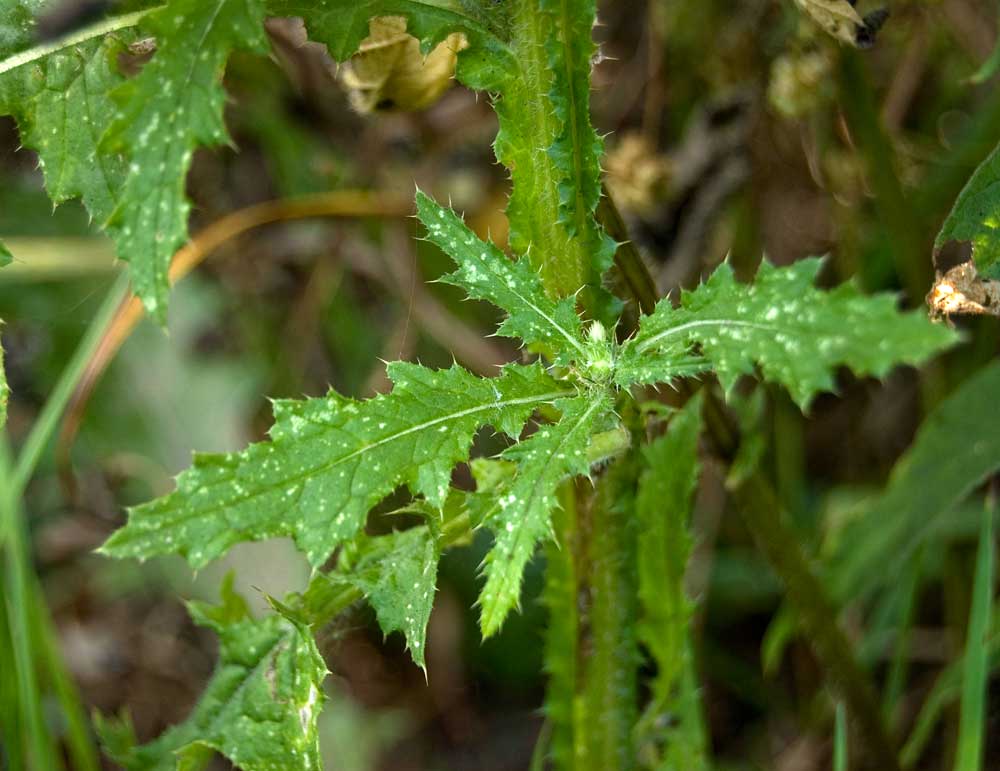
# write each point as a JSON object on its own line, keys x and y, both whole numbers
{"x": 663, "y": 508}
{"x": 522, "y": 516}
{"x": 330, "y": 460}
{"x": 173, "y": 106}
{"x": 797, "y": 334}
{"x": 486, "y": 273}
{"x": 577, "y": 149}
{"x": 259, "y": 709}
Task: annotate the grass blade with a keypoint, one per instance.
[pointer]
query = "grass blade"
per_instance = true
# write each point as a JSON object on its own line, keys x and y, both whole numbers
{"x": 975, "y": 673}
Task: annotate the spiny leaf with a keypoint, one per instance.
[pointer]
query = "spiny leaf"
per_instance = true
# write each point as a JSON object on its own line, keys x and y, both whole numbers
{"x": 975, "y": 217}
{"x": 330, "y": 460}
{"x": 69, "y": 113}
{"x": 522, "y": 517}
{"x": 342, "y": 24}
{"x": 259, "y": 709}
{"x": 577, "y": 149}
{"x": 399, "y": 583}
{"x": 663, "y": 507}
{"x": 172, "y": 106}
{"x": 486, "y": 273}
{"x": 796, "y": 333}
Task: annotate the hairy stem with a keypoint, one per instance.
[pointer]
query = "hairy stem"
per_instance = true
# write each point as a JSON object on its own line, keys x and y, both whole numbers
{"x": 611, "y": 691}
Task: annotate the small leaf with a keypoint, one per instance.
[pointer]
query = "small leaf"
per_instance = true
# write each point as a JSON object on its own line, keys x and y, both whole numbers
{"x": 486, "y": 273}
{"x": 797, "y": 334}
{"x": 522, "y": 517}
{"x": 259, "y": 709}
{"x": 400, "y": 585}
{"x": 330, "y": 460}
{"x": 170, "y": 108}
{"x": 975, "y": 217}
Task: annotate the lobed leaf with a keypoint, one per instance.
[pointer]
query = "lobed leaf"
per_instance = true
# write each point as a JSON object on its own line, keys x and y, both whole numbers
{"x": 975, "y": 217}
{"x": 522, "y": 517}
{"x": 486, "y": 273}
{"x": 797, "y": 334}
{"x": 330, "y": 460}
{"x": 259, "y": 709}
{"x": 400, "y": 584}
{"x": 174, "y": 105}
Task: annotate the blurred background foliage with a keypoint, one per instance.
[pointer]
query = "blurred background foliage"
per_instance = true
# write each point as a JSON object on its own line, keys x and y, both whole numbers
{"x": 734, "y": 129}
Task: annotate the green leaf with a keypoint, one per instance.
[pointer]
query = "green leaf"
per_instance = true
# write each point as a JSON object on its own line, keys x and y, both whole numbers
{"x": 975, "y": 675}
{"x": 342, "y": 24}
{"x": 797, "y": 334}
{"x": 486, "y": 273}
{"x": 577, "y": 150}
{"x": 663, "y": 504}
{"x": 400, "y": 583}
{"x": 957, "y": 447}
{"x": 174, "y": 105}
{"x": 522, "y": 517}
{"x": 663, "y": 508}
{"x": 974, "y": 217}
{"x": 259, "y": 709}
{"x": 17, "y": 23}
{"x": 6, "y": 258}
{"x": 70, "y": 110}
{"x": 330, "y": 460}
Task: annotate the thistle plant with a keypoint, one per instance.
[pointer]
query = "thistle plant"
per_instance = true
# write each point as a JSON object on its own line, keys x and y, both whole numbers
{"x": 582, "y": 442}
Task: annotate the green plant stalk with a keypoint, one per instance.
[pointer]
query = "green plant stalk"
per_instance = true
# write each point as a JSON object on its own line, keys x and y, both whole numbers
{"x": 611, "y": 667}
{"x": 975, "y": 675}
{"x": 31, "y": 630}
{"x": 20, "y": 607}
{"x": 761, "y": 511}
{"x": 45, "y": 425}
{"x": 560, "y": 597}
{"x": 530, "y": 128}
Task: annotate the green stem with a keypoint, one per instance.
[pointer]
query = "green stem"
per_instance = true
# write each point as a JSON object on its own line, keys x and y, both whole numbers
{"x": 20, "y": 607}
{"x": 561, "y": 635}
{"x": 909, "y": 254}
{"x": 32, "y": 636}
{"x": 611, "y": 691}
{"x": 48, "y": 420}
